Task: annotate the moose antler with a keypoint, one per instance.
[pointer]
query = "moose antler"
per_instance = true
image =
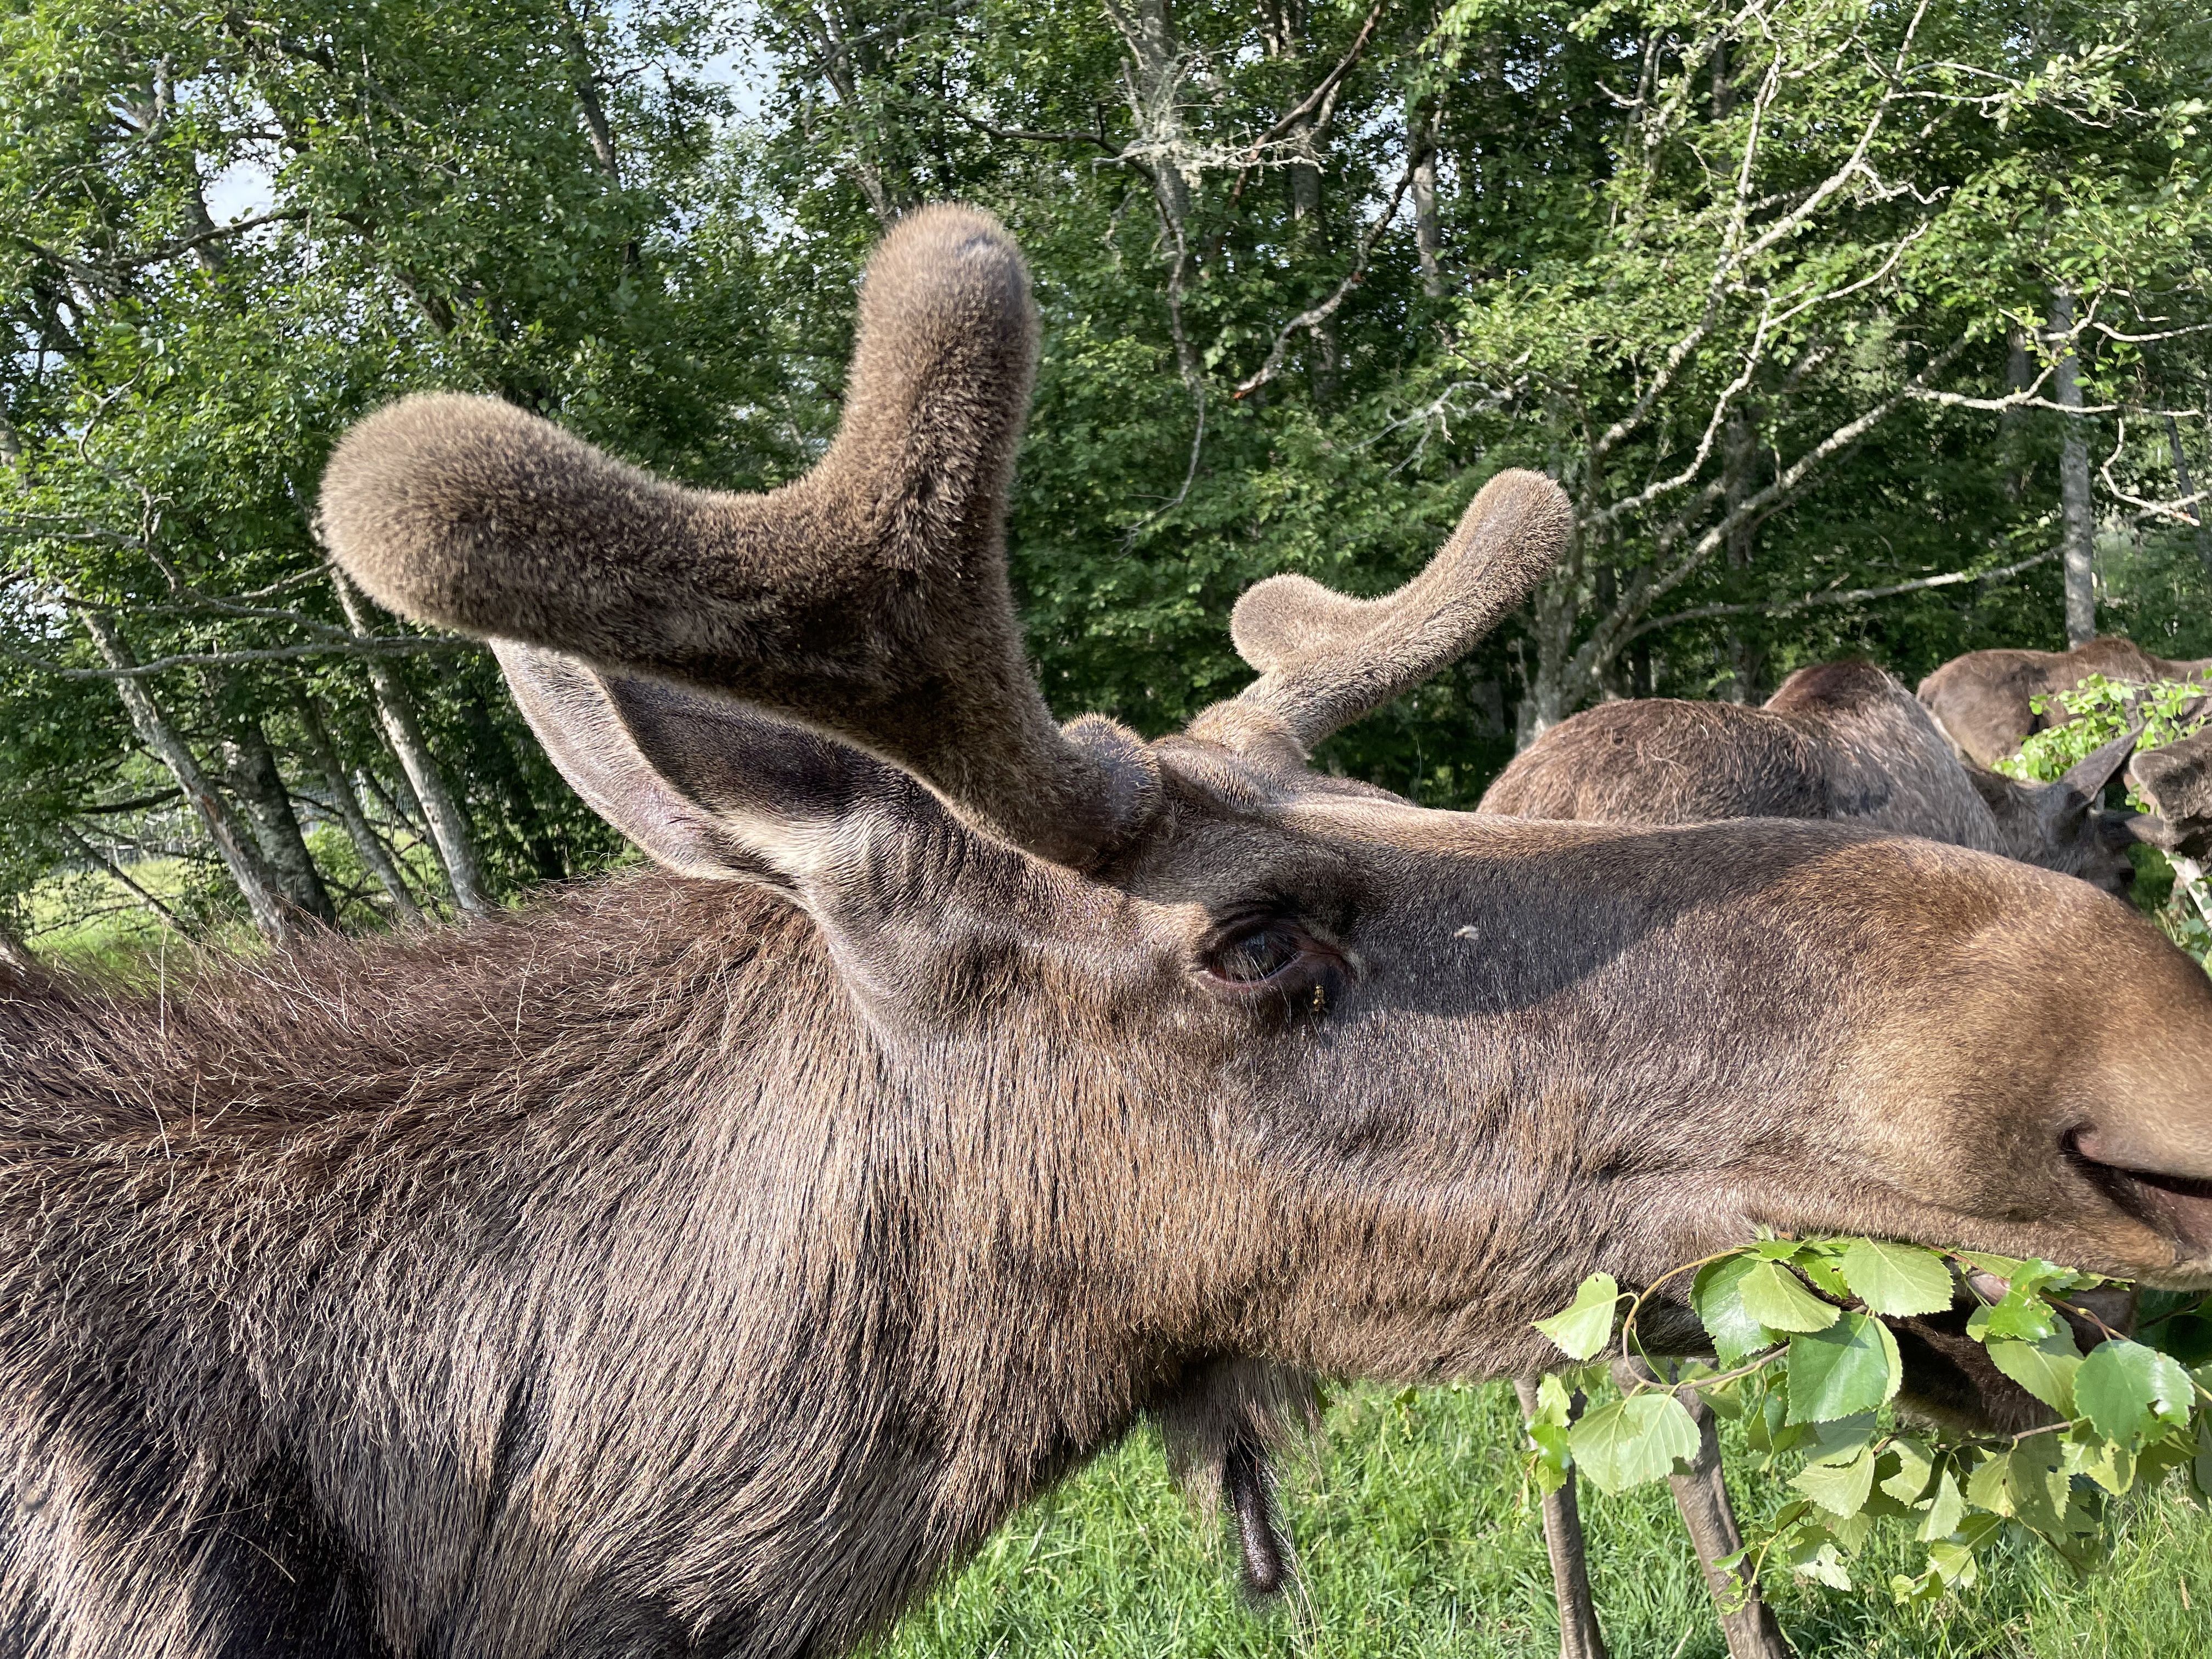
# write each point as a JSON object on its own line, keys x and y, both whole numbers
{"x": 867, "y": 600}
{"x": 1326, "y": 658}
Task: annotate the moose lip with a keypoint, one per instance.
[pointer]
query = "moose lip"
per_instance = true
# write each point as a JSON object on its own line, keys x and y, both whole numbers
{"x": 2178, "y": 1207}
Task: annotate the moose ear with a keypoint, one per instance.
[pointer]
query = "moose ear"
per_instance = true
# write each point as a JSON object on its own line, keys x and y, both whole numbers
{"x": 705, "y": 785}
{"x": 2177, "y": 782}
{"x": 2087, "y": 776}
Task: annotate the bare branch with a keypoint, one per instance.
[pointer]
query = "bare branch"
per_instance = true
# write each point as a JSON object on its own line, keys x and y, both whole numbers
{"x": 1327, "y": 308}
{"x": 1853, "y": 596}
{"x": 1314, "y": 99}
{"x": 88, "y": 850}
{"x": 356, "y": 644}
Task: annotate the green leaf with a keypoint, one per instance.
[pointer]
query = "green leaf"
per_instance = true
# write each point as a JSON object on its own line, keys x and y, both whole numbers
{"x": 1842, "y": 1490}
{"x": 1773, "y": 1296}
{"x": 2046, "y": 1368}
{"x": 1634, "y": 1440}
{"x": 1820, "y": 1563}
{"x": 1553, "y": 1403}
{"x": 1944, "y": 1511}
{"x": 1841, "y": 1440}
{"x": 1953, "y": 1558}
{"x": 1897, "y": 1278}
{"x": 2036, "y": 1481}
{"x": 2123, "y": 1389}
{"x": 1915, "y": 1463}
{"x": 2107, "y": 1463}
{"x": 1585, "y": 1326}
{"x": 2017, "y": 1318}
{"x": 1851, "y": 1367}
{"x": 1718, "y": 1295}
{"x": 1827, "y": 1278}
{"x": 1985, "y": 1486}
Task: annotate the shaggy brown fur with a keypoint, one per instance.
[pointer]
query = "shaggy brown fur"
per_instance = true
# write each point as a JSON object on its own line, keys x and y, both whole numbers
{"x": 685, "y": 1266}
{"x": 1984, "y": 699}
{"x": 1843, "y": 741}
{"x": 2177, "y": 782}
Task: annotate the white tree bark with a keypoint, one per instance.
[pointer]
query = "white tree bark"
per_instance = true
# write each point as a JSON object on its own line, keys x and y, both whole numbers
{"x": 347, "y": 802}
{"x": 259, "y": 784}
{"x": 2076, "y": 512}
{"x": 449, "y": 825}
{"x": 257, "y": 882}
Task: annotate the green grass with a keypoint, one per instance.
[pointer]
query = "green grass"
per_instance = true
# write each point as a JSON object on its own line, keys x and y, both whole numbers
{"x": 1413, "y": 1541}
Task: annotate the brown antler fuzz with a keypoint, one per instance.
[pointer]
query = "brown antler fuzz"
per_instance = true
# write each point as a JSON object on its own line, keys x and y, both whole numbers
{"x": 1326, "y": 658}
{"x": 868, "y": 599}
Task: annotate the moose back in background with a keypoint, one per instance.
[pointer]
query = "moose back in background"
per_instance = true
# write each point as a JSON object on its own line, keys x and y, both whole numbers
{"x": 1843, "y": 741}
{"x": 700, "y": 1262}
{"x": 1986, "y": 700}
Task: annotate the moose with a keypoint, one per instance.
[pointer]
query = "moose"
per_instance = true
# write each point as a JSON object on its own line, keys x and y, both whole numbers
{"x": 1840, "y": 740}
{"x": 1985, "y": 700}
{"x": 701, "y": 1260}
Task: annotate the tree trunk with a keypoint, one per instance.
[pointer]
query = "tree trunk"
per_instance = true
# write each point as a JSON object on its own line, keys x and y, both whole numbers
{"x": 1428, "y": 229}
{"x": 2195, "y": 509}
{"x": 1579, "y": 1635}
{"x": 2077, "y": 514}
{"x": 257, "y": 882}
{"x": 374, "y": 858}
{"x": 250, "y": 767}
{"x": 1701, "y": 1494}
{"x": 449, "y": 825}
{"x": 1151, "y": 79}
{"x": 1547, "y": 698}
{"x": 496, "y": 766}
{"x": 16, "y": 962}
{"x": 2019, "y": 376}
{"x": 584, "y": 81}
{"x": 1739, "y": 480}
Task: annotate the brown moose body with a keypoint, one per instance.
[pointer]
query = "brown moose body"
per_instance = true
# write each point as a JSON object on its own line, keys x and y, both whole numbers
{"x": 1842, "y": 740}
{"x": 701, "y": 1260}
{"x": 1985, "y": 700}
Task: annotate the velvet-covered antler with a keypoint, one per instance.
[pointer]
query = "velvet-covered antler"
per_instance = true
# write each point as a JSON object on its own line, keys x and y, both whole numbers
{"x": 1326, "y": 658}
{"x": 867, "y": 600}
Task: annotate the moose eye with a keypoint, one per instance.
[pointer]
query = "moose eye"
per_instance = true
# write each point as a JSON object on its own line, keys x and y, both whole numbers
{"x": 1272, "y": 959}
{"x": 1254, "y": 956}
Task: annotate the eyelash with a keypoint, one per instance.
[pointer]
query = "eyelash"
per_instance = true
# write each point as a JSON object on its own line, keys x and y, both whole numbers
{"x": 1293, "y": 965}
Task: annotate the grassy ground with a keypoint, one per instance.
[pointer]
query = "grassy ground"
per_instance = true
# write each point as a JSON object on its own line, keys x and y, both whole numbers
{"x": 1413, "y": 1542}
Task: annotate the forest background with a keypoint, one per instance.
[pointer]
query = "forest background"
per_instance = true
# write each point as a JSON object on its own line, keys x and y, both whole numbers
{"x": 1852, "y": 329}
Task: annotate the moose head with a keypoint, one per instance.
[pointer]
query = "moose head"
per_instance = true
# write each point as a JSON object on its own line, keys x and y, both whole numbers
{"x": 1083, "y": 1066}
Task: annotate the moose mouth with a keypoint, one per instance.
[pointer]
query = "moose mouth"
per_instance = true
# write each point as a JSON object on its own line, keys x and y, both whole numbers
{"x": 2178, "y": 1207}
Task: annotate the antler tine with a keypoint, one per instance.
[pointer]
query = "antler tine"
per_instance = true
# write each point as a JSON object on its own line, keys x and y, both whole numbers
{"x": 1326, "y": 658}
{"x": 868, "y": 599}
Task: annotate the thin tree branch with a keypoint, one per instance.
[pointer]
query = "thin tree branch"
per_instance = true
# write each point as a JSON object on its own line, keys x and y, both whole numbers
{"x": 1789, "y": 607}
{"x": 353, "y": 646}
{"x": 1314, "y": 99}
{"x": 1321, "y": 313}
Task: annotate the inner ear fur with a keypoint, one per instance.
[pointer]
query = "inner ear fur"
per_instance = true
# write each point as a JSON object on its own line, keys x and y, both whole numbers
{"x": 706, "y": 786}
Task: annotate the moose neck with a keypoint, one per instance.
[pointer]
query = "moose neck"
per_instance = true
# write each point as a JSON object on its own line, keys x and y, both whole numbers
{"x": 653, "y": 1315}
